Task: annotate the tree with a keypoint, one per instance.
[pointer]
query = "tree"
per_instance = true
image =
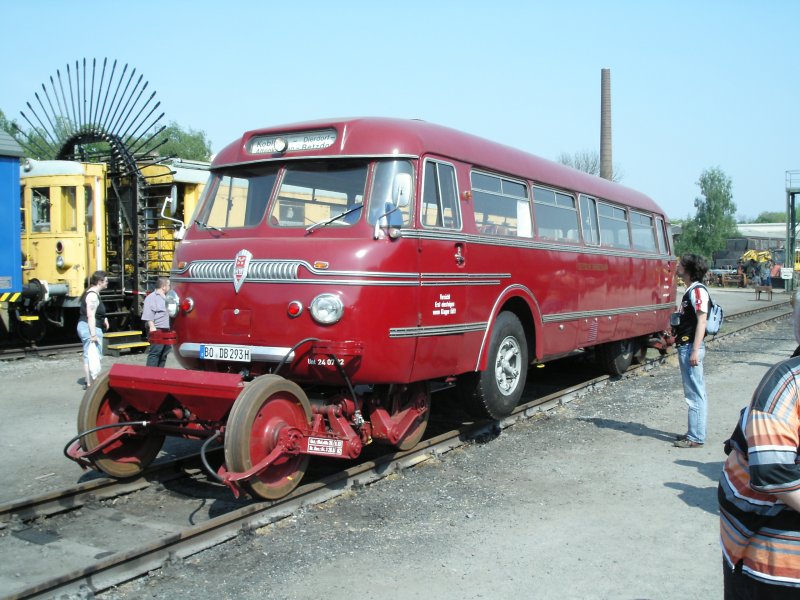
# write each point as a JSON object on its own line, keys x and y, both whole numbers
{"x": 771, "y": 217}
{"x": 189, "y": 144}
{"x": 714, "y": 221}
{"x": 587, "y": 161}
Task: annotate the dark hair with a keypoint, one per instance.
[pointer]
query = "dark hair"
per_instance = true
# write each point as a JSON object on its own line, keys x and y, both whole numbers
{"x": 695, "y": 266}
{"x": 97, "y": 277}
{"x": 161, "y": 281}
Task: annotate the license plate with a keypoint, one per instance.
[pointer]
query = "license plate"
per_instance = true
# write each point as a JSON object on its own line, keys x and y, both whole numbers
{"x": 234, "y": 353}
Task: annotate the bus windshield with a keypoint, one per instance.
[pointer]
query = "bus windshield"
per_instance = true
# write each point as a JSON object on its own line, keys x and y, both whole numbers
{"x": 303, "y": 194}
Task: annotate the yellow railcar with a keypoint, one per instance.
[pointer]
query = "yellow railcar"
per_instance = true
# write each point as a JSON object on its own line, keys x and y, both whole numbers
{"x": 77, "y": 218}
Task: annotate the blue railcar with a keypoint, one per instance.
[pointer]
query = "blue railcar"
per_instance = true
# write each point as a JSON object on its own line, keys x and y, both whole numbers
{"x": 10, "y": 256}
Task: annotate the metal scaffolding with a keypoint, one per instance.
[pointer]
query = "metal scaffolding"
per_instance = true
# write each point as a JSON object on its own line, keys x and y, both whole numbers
{"x": 792, "y": 190}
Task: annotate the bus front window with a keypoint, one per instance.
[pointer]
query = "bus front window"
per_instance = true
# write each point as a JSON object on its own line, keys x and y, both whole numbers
{"x": 237, "y": 199}
{"x": 319, "y": 194}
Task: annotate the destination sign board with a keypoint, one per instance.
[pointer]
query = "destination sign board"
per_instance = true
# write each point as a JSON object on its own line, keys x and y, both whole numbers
{"x": 293, "y": 142}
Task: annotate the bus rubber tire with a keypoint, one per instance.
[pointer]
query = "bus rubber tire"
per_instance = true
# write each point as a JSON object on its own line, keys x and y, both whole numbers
{"x": 480, "y": 392}
{"x": 615, "y": 357}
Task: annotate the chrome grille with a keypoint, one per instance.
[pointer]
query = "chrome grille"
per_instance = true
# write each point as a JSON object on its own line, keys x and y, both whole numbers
{"x": 222, "y": 270}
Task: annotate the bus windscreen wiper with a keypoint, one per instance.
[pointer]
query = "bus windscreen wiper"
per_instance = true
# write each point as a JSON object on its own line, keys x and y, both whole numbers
{"x": 327, "y": 222}
{"x": 207, "y": 226}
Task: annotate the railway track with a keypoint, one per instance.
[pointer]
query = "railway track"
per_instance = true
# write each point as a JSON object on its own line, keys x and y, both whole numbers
{"x": 174, "y": 511}
{"x": 12, "y": 351}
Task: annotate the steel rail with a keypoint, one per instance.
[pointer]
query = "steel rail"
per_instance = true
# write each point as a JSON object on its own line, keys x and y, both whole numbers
{"x": 124, "y": 566}
{"x": 73, "y": 497}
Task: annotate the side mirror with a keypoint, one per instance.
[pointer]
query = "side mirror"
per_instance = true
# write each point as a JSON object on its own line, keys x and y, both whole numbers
{"x": 401, "y": 190}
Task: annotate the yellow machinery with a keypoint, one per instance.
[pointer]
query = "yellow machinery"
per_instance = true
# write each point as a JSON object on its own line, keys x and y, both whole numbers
{"x": 77, "y": 218}
{"x": 759, "y": 256}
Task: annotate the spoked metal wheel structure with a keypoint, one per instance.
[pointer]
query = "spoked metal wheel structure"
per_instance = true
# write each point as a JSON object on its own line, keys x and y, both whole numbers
{"x": 101, "y": 112}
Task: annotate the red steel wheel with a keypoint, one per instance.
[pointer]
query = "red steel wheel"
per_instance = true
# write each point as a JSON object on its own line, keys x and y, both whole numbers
{"x": 126, "y": 457}
{"x": 267, "y": 405}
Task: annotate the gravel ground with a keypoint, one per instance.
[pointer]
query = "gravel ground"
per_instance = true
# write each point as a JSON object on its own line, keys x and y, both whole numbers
{"x": 589, "y": 501}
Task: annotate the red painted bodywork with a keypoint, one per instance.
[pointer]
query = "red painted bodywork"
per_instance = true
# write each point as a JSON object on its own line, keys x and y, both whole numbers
{"x": 206, "y": 395}
{"x": 392, "y": 331}
{"x": 543, "y": 281}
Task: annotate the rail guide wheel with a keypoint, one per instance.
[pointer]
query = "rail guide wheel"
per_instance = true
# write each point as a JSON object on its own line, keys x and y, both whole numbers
{"x": 415, "y": 396}
{"x": 267, "y": 406}
{"x": 129, "y": 455}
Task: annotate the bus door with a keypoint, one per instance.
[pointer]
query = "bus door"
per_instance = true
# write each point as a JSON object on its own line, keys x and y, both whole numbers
{"x": 443, "y": 266}
{"x": 592, "y": 270}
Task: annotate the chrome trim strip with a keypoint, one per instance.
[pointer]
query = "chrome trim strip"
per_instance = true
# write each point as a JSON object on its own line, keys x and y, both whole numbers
{"x": 322, "y": 156}
{"x": 467, "y": 276}
{"x": 558, "y": 317}
{"x": 414, "y": 283}
{"x": 257, "y": 353}
{"x": 515, "y": 242}
{"x": 435, "y": 330}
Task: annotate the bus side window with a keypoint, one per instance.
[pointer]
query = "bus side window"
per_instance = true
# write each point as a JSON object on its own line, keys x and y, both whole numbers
{"x": 642, "y": 232}
{"x": 501, "y": 206}
{"x": 439, "y": 196}
{"x": 556, "y": 215}
{"x": 662, "y": 242}
{"x": 591, "y": 233}
{"x": 613, "y": 226}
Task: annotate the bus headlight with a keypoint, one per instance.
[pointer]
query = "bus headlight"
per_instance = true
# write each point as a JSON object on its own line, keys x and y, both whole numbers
{"x": 173, "y": 302}
{"x": 326, "y": 309}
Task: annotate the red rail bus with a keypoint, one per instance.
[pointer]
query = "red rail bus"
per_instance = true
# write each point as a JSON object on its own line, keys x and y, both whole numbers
{"x": 335, "y": 269}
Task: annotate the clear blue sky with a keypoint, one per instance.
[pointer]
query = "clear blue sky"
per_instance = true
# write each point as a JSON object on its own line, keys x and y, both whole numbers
{"x": 695, "y": 84}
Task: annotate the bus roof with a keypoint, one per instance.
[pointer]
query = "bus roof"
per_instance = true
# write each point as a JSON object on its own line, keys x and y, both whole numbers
{"x": 378, "y": 136}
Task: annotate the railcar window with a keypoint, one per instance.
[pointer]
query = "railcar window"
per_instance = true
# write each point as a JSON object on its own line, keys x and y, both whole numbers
{"x": 440, "y": 197}
{"x": 613, "y": 226}
{"x": 642, "y": 232}
{"x": 22, "y": 225}
{"x": 40, "y": 210}
{"x": 88, "y": 196}
{"x": 380, "y": 197}
{"x": 591, "y": 231}
{"x": 502, "y": 206}
{"x": 556, "y": 215}
{"x": 69, "y": 212}
{"x": 662, "y": 242}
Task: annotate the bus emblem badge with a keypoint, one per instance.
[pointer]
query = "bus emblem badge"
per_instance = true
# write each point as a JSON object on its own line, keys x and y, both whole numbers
{"x": 240, "y": 265}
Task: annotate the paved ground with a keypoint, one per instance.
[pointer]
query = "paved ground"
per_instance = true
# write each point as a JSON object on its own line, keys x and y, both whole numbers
{"x": 591, "y": 501}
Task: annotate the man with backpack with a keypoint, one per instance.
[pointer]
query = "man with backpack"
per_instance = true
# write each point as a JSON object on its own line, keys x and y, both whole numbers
{"x": 689, "y": 327}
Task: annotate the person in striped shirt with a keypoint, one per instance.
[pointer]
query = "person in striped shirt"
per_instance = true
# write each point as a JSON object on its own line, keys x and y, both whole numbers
{"x": 759, "y": 492}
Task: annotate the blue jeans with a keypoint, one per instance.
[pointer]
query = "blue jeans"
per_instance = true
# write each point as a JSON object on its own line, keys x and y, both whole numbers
{"x": 694, "y": 391}
{"x": 83, "y": 333}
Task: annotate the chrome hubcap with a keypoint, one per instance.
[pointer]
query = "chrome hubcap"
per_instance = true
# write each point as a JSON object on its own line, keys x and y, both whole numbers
{"x": 507, "y": 366}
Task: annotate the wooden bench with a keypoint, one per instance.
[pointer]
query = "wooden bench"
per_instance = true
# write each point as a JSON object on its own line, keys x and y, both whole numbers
{"x": 767, "y": 289}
